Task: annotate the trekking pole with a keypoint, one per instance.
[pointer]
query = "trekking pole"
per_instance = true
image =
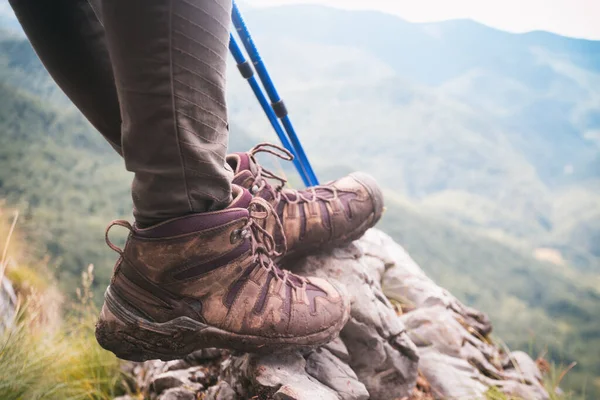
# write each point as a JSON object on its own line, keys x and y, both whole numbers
{"x": 247, "y": 73}
{"x": 277, "y": 104}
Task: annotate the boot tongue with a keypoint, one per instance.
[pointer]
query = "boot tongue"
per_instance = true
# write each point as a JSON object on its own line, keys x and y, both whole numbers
{"x": 240, "y": 162}
{"x": 244, "y": 168}
{"x": 241, "y": 197}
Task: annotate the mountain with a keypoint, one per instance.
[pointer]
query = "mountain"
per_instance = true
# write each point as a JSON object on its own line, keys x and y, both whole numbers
{"x": 448, "y": 114}
{"x": 486, "y": 142}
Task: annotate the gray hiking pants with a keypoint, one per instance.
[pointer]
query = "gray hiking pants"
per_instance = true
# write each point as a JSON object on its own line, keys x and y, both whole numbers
{"x": 150, "y": 76}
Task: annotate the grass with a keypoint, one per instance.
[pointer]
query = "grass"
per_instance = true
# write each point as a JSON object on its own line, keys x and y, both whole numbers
{"x": 39, "y": 361}
{"x": 493, "y": 393}
{"x": 553, "y": 376}
{"x": 44, "y": 355}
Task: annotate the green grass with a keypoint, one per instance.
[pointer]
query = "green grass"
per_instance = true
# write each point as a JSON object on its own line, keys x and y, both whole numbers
{"x": 41, "y": 359}
{"x": 553, "y": 379}
{"x": 42, "y": 354}
{"x": 65, "y": 364}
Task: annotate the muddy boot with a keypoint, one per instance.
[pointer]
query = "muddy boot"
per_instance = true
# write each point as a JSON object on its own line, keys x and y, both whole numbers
{"x": 319, "y": 217}
{"x": 208, "y": 280}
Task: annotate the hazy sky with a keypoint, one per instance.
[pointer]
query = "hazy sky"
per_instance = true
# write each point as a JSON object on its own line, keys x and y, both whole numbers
{"x": 577, "y": 18}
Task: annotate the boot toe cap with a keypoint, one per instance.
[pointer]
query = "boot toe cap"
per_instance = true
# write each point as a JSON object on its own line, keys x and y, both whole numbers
{"x": 374, "y": 192}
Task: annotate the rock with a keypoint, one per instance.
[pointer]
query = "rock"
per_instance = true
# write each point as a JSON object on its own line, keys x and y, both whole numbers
{"x": 523, "y": 370}
{"x": 331, "y": 371}
{"x": 277, "y": 376}
{"x": 221, "y": 391}
{"x": 519, "y": 390}
{"x": 178, "y": 394}
{"x": 450, "y": 377}
{"x": 525, "y": 366}
{"x": 175, "y": 379}
{"x": 457, "y": 358}
{"x": 381, "y": 354}
{"x": 205, "y": 354}
{"x": 401, "y": 322}
{"x": 338, "y": 349}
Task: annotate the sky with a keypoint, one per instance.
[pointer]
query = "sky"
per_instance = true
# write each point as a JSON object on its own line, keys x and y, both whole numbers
{"x": 575, "y": 18}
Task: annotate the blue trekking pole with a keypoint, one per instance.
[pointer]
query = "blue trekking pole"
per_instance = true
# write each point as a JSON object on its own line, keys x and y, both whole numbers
{"x": 247, "y": 73}
{"x": 277, "y": 104}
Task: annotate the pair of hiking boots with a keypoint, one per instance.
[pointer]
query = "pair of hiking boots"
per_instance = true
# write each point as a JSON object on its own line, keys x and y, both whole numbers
{"x": 212, "y": 280}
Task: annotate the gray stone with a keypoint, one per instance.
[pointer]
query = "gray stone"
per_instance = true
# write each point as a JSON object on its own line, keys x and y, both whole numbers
{"x": 338, "y": 349}
{"x": 178, "y": 394}
{"x": 456, "y": 357}
{"x": 451, "y": 377}
{"x": 435, "y": 327}
{"x": 378, "y": 352}
{"x": 335, "y": 374}
{"x": 277, "y": 376}
{"x": 177, "y": 364}
{"x": 221, "y": 391}
{"x": 381, "y": 354}
{"x": 518, "y": 389}
{"x": 525, "y": 366}
{"x": 204, "y": 354}
{"x": 173, "y": 379}
{"x": 523, "y": 391}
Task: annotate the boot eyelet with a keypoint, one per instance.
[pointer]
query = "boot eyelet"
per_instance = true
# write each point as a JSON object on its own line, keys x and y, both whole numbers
{"x": 239, "y": 234}
{"x": 236, "y": 236}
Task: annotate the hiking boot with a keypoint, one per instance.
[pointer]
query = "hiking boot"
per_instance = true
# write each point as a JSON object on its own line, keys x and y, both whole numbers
{"x": 208, "y": 280}
{"x": 319, "y": 217}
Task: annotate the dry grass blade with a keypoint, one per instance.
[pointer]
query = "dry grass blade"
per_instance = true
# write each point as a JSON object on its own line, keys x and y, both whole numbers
{"x": 6, "y": 243}
{"x": 564, "y": 373}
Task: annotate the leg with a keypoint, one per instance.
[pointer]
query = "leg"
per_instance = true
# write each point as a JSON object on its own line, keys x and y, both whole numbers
{"x": 207, "y": 279}
{"x": 169, "y": 61}
{"x": 69, "y": 38}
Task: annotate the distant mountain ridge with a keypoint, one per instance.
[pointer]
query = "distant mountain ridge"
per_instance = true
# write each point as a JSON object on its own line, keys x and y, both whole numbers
{"x": 507, "y": 121}
{"x": 422, "y": 51}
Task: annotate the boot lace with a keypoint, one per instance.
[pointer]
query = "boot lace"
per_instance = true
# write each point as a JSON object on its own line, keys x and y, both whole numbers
{"x": 311, "y": 194}
{"x": 263, "y": 245}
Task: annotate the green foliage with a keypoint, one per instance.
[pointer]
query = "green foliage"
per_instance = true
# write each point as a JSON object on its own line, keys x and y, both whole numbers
{"x": 43, "y": 355}
{"x": 65, "y": 181}
{"x": 67, "y": 364}
{"x": 493, "y": 393}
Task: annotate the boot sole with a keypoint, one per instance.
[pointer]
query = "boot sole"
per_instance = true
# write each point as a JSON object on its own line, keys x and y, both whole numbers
{"x": 131, "y": 336}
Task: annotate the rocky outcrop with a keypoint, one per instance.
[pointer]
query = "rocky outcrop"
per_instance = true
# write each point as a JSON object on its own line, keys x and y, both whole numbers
{"x": 406, "y": 338}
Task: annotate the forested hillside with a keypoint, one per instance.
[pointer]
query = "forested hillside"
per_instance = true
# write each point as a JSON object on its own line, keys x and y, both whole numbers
{"x": 493, "y": 130}
{"x": 487, "y": 144}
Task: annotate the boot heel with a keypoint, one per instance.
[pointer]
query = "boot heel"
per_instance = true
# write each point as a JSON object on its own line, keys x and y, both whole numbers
{"x": 130, "y": 336}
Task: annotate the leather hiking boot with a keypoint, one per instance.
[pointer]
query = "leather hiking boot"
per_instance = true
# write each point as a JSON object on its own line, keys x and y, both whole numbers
{"x": 318, "y": 217}
{"x": 208, "y": 280}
